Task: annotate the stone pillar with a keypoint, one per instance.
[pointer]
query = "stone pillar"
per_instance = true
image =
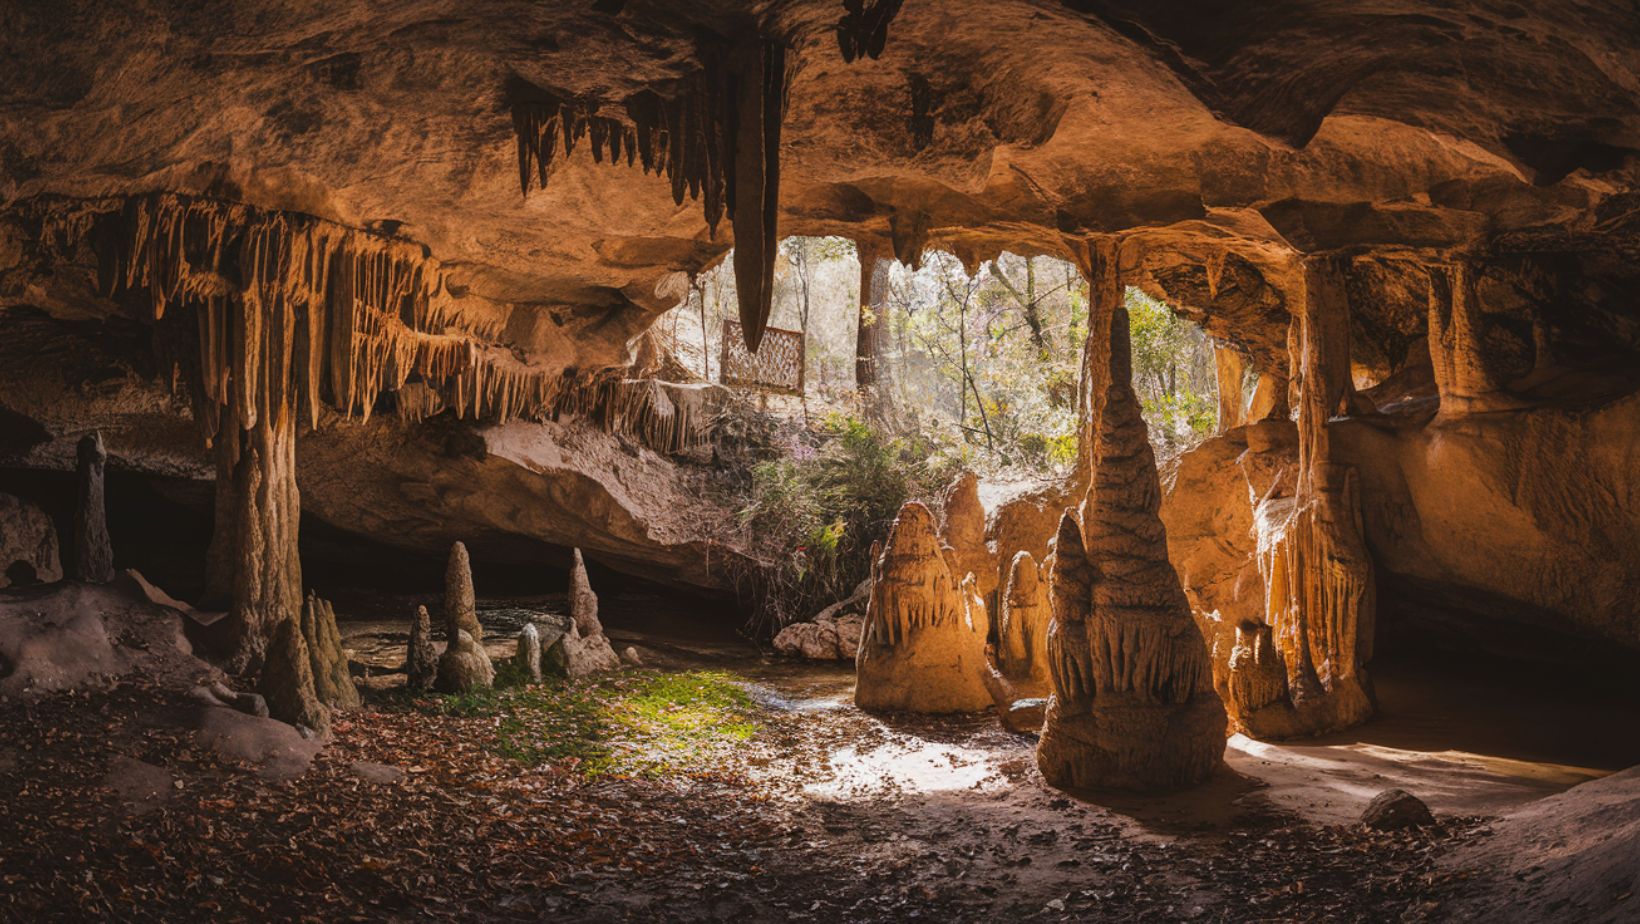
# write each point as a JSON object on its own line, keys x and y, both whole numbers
{"x": 1099, "y": 261}
{"x": 93, "y": 552}
{"x": 1133, "y": 705}
{"x": 1230, "y": 368}
{"x": 263, "y": 560}
{"x": 1022, "y": 632}
{"x": 1455, "y": 330}
{"x": 1320, "y": 594}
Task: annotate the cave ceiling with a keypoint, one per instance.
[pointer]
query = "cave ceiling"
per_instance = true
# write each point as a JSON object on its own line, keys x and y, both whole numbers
{"x": 1205, "y": 135}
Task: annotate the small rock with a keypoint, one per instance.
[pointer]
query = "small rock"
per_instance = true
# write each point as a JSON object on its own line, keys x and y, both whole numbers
{"x": 528, "y": 658}
{"x": 1396, "y": 809}
{"x": 630, "y": 656}
{"x": 372, "y": 772}
{"x": 1025, "y": 716}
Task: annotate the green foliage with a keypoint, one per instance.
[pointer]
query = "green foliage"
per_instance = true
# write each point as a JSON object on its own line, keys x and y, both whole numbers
{"x": 816, "y": 510}
{"x": 625, "y": 724}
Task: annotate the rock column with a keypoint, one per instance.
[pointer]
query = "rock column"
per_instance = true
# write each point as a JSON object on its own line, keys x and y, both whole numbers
{"x": 1320, "y": 593}
{"x": 1133, "y": 705}
{"x": 1455, "y": 328}
{"x": 1022, "y": 632}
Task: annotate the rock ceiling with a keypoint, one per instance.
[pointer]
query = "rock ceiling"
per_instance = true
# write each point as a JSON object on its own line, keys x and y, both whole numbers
{"x": 1207, "y": 134}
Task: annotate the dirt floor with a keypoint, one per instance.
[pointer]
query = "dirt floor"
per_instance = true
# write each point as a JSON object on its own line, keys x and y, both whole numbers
{"x": 119, "y": 806}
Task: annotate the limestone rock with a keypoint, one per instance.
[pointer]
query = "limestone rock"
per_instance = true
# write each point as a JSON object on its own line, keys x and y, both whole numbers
{"x": 464, "y": 666}
{"x": 460, "y": 604}
{"x": 93, "y": 558}
{"x": 1022, "y": 632}
{"x": 923, "y": 649}
{"x": 528, "y": 657}
{"x": 28, "y": 544}
{"x": 576, "y": 656}
{"x": 583, "y": 603}
{"x": 331, "y": 679}
{"x": 1396, "y": 809}
{"x": 287, "y": 681}
{"x": 827, "y": 638}
{"x": 1133, "y": 705}
{"x": 421, "y": 658}
{"x": 1025, "y": 716}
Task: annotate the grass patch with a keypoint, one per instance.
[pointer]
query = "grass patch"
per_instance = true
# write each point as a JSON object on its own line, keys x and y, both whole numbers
{"x": 625, "y": 724}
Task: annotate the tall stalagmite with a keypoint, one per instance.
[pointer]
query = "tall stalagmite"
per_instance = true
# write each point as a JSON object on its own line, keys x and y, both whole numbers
{"x": 465, "y": 665}
{"x": 1320, "y": 591}
{"x": 93, "y": 552}
{"x": 331, "y": 680}
{"x": 1133, "y": 705}
{"x": 923, "y": 648}
{"x": 962, "y": 531}
{"x": 583, "y": 603}
{"x": 420, "y": 657}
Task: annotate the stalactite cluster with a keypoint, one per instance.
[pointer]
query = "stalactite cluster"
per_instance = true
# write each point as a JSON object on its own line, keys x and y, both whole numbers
{"x": 293, "y": 310}
{"x": 863, "y": 30}
{"x": 670, "y": 418}
{"x": 714, "y": 134}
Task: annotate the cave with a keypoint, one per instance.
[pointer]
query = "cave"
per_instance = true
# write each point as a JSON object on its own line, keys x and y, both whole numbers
{"x": 858, "y": 460}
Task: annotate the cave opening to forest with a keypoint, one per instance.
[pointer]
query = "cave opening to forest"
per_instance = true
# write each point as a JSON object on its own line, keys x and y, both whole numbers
{"x": 859, "y": 460}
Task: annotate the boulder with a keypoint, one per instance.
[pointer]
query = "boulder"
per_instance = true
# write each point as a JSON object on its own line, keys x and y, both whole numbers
{"x": 827, "y": 638}
{"x": 421, "y": 658}
{"x": 923, "y": 645}
{"x": 28, "y": 544}
{"x": 1396, "y": 809}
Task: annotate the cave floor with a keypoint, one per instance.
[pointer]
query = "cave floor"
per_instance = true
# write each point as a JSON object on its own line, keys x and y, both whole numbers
{"x": 821, "y": 813}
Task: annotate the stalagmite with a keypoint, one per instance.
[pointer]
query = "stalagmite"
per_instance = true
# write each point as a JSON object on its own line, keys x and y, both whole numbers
{"x": 331, "y": 680}
{"x": 420, "y": 657}
{"x": 1133, "y": 705}
{"x": 1319, "y": 584}
{"x": 460, "y": 603}
{"x": 1230, "y": 367}
{"x": 924, "y": 646}
{"x": 93, "y": 559}
{"x": 1456, "y": 326}
{"x": 1022, "y": 631}
{"x": 583, "y": 603}
{"x": 527, "y": 660}
{"x": 287, "y": 680}
{"x": 962, "y": 531}
{"x": 465, "y": 665}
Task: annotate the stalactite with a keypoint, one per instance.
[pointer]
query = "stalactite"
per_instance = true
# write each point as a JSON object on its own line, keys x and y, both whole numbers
{"x": 863, "y": 30}
{"x": 715, "y": 134}
{"x": 908, "y": 233}
{"x": 1133, "y": 703}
